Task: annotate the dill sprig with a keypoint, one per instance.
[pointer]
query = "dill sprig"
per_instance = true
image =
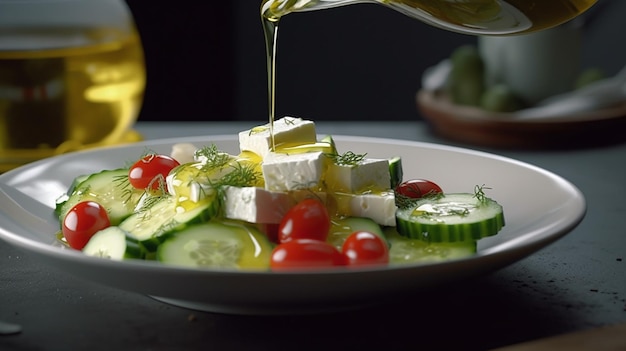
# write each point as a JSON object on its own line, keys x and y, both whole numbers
{"x": 479, "y": 193}
{"x": 123, "y": 183}
{"x": 241, "y": 175}
{"x": 403, "y": 201}
{"x": 348, "y": 158}
{"x": 290, "y": 121}
{"x": 212, "y": 157}
{"x": 148, "y": 199}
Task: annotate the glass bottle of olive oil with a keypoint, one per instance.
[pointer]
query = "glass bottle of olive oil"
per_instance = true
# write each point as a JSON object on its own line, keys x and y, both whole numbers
{"x": 72, "y": 75}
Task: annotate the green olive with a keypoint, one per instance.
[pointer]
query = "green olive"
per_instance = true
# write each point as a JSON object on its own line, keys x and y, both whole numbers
{"x": 589, "y": 76}
{"x": 500, "y": 98}
{"x": 466, "y": 82}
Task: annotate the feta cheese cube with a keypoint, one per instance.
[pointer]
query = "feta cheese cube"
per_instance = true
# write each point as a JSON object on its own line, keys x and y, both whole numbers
{"x": 283, "y": 172}
{"x": 287, "y": 130}
{"x": 381, "y": 208}
{"x": 256, "y": 205}
{"x": 183, "y": 152}
{"x": 367, "y": 176}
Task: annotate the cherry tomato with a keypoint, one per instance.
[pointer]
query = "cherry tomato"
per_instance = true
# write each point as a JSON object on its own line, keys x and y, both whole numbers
{"x": 416, "y": 188}
{"x": 82, "y": 222}
{"x": 150, "y": 171}
{"x": 305, "y": 254}
{"x": 308, "y": 219}
{"x": 365, "y": 248}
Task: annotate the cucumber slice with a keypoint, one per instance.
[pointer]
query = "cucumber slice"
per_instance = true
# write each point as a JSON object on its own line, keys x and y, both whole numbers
{"x": 341, "y": 228}
{"x": 450, "y": 218}
{"x": 328, "y": 139}
{"x": 395, "y": 171}
{"x": 151, "y": 226}
{"x": 76, "y": 182}
{"x": 109, "y": 188}
{"x": 404, "y": 250}
{"x": 216, "y": 244}
{"x": 113, "y": 243}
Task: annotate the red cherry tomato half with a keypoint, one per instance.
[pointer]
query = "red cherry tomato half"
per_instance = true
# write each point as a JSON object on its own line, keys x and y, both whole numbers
{"x": 305, "y": 254}
{"x": 417, "y": 188}
{"x": 308, "y": 219}
{"x": 82, "y": 222}
{"x": 365, "y": 248}
{"x": 150, "y": 171}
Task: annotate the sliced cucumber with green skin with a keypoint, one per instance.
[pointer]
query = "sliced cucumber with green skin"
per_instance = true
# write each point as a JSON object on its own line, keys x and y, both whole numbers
{"x": 151, "y": 226}
{"x": 395, "y": 171}
{"x": 450, "y": 218}
{"x": 341, "y": 228}
{"x": 329, "y": 140}
{"x": 76, "y": 182}
{"x": 109, "y": 188}
{"x": 115, "y": 244}
{"x": 215, "y": 244}
{"x": 404, "y": 250}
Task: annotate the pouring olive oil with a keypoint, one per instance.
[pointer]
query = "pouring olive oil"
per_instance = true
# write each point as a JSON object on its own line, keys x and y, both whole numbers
{"x": 478, "y": 17}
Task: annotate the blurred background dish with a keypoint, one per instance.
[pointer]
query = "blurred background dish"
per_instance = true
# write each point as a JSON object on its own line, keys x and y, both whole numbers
{"x": 526, "y": 91}
{"x": 475, "y": 126}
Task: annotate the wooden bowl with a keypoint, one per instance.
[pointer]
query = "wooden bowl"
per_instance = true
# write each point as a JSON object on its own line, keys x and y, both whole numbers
{"x": 472, "y": 125}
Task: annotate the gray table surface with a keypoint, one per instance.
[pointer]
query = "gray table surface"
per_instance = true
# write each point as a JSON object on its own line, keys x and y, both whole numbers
{"x": 576, "y": 283}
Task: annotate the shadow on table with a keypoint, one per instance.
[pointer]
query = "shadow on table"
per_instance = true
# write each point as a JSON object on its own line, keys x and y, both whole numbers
{"x": 476, "y": 315}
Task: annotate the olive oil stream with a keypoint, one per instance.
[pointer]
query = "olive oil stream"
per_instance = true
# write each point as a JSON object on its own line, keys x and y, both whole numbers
{"x": 478, "y": 17}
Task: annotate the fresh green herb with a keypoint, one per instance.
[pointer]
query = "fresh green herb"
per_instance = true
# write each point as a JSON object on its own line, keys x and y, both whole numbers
{"x": 212, "y": 157}
{"x": 457, "y": 211}
{"x": 290, "y": 121}
{"x": 121, "y": 182}
{"x": 348, "y": 158}
{"x": 149, "y": 196}
{"x": 403, "y": 201}
{"x": 147, "y": 200}
{"x": 479, "y": 193}
{"x": 242, "y": 175}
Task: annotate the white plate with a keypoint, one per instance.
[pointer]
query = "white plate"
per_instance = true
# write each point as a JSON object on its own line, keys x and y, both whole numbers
{"x": 539, "y": 206}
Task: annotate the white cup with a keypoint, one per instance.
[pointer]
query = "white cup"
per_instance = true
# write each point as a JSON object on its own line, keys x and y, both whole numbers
{"x": 534, "y": 66}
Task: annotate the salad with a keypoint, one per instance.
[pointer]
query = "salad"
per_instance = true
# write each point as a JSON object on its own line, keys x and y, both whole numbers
{"x": 287, "y": 201}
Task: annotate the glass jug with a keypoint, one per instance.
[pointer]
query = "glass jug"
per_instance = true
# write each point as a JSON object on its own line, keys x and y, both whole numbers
{"x": 72, "y": 75}
{"x": 480, "y": 17}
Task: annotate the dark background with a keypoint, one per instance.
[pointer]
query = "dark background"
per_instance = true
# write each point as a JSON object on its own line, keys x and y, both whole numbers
{"x": 206, "y": 60}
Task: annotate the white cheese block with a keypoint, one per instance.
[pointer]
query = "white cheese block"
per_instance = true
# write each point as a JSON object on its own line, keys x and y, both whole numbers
{"x": 370, "y": 175}
{"x": 381, "y": 208}
{"x": 183, "y": 152}
{"x": 287, "y": 130}
{"x": 256, "y": 205}
{"x": 283, "y": 172}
